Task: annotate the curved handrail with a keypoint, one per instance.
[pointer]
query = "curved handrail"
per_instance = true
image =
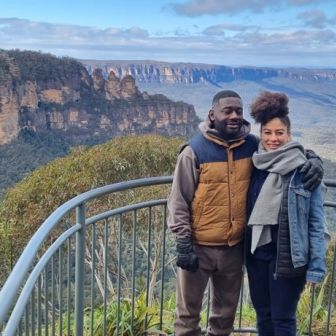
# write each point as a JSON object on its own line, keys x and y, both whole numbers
{"x": 330, "y": 182}
{"x": 11, "y": 287}
{"x": 29, "y": 285}
{"x": 126, "y": 208}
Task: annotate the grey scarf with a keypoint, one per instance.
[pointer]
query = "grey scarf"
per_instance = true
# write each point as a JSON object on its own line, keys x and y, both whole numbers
{"x": 266, "y": 209}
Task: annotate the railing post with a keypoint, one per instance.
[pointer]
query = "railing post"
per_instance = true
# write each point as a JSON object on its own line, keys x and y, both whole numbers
{"x": 79, "y": 271}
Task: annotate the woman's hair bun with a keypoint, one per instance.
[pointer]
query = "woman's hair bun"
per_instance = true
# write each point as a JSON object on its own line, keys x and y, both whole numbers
{"x": 269, "y": 105}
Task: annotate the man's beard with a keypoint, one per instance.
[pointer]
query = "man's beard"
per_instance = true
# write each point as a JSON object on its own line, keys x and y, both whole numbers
{"x": 227, "y": 132}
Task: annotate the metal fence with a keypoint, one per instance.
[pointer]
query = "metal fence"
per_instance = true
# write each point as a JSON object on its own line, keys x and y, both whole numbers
{"x": 111, "y": 273}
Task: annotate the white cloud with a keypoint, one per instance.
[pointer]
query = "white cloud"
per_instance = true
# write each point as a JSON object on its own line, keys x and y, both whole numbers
{"x": 296, "y": 39}
{"x": 304, "y": 2}
{"x": 135, "y": 32}
{"x": 315, "y": 18}
{"x": 218, "y": 44}
{"x": 220, "y": 29}
{"x": 201, "y": 7}
{"x": 20, "y": 31}
{"x": 195, "y": 8}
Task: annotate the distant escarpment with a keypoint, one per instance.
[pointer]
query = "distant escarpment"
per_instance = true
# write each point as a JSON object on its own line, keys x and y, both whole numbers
{"x": 44, "y": 93}
{"x": 190, "y": 73}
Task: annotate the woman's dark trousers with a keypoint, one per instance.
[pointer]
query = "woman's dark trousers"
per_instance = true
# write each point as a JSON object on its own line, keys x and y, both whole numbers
{"x": 275, "y": 300}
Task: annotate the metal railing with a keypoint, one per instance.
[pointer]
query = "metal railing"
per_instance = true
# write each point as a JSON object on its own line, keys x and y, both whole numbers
{"x": 111, "y": 273}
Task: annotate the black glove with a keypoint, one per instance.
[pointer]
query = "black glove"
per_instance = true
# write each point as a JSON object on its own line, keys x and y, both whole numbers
{"x": 312, "y": 172}
{"x": 186, "y": 257}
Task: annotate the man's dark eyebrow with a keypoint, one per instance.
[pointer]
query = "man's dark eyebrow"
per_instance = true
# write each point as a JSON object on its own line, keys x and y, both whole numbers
{"x": 233, "y": 108}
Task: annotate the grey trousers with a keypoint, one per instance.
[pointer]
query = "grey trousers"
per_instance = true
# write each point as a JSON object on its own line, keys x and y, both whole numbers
{"x": 223, "y": 266}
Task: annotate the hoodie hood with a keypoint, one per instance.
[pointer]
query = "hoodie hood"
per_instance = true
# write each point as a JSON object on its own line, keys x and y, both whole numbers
{"x": 205, "y": 128}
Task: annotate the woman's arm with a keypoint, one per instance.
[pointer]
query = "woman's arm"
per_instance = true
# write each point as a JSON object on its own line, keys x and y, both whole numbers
{"x": 316, "y": 237}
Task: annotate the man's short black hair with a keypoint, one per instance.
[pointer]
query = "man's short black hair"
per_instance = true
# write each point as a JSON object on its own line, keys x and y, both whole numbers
{"x": 224, "y": 94}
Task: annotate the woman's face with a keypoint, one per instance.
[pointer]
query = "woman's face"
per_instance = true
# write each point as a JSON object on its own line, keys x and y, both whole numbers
{"x": 274, "y": 134}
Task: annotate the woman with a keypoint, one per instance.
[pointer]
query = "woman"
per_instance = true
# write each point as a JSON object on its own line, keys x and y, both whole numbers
{"x": 285, "y": 232}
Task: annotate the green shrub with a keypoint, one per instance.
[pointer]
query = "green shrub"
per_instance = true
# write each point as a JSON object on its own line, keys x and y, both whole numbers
{"x": 25, "y": 206}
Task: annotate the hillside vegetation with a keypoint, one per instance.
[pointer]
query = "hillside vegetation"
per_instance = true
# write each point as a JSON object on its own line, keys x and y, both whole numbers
{"x": 26, "y": 153}
{"x": 26, "y": 205}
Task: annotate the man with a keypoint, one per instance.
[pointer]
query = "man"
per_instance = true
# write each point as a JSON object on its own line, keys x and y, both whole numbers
{"x": 207, "y": 215}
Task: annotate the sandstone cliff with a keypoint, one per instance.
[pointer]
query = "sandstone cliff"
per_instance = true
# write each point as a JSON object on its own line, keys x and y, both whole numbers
{"x": 44, "y": 93}
{"x": 190, "y": 73}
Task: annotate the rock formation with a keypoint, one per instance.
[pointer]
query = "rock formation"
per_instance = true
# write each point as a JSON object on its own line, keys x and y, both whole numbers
{"x": 190, "y": 73}
{"x": 45, "y": 93}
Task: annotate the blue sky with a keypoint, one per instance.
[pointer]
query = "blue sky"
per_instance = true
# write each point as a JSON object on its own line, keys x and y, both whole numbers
{"x": 228, "y": 32}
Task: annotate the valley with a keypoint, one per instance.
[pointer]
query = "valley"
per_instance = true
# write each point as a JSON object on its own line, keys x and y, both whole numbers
{"x": 312, "y": 92}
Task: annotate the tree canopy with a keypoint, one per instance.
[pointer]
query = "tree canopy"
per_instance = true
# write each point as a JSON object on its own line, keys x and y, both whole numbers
{"x": 26, "y": 205}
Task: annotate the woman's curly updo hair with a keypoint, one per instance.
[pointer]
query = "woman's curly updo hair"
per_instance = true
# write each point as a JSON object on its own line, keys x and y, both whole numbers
{"x": 270, "y": 105}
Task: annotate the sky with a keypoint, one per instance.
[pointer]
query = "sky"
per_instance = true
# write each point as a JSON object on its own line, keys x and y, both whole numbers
{"x": 275, "y": 33}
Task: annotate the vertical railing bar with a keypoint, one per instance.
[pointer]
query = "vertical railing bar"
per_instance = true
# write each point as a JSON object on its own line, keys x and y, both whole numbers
{"x": 119, "y": 271}
{"x": 149, "y": 245}
{"x": 79, "y": 270}
{"x": 163, "y": 262}
{"x": 53, "y": 301}
{"x": 312, "y": 293}
{"x": 39, "y": 306}
{"x": 331, "y": 289}
{"x": 68, "y": 284}
{"x": 27, "y": 319}
{"x": 133, "y": 267}
{"x": 208, "y": 306}
{"x": 241, "y": 299}
{"x": 33, "y": 312}
{"x": 105, "y": 275}
{"x": 20, "y": 328}
{"x": 93, "y": 267}
{"x": 46, "y": 294}
{"x": 60, "y": 291}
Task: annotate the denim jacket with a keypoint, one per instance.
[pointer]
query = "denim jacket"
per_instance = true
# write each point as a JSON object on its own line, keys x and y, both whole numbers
{"x": 307, "y": 229}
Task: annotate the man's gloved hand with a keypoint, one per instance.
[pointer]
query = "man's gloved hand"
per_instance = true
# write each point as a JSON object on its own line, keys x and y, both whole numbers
{"x": 186, "y": 257}
{"x": 312, "y": 172}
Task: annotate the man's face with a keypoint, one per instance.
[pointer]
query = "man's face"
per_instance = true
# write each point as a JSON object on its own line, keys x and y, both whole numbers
{"x": 227, "y": 116}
